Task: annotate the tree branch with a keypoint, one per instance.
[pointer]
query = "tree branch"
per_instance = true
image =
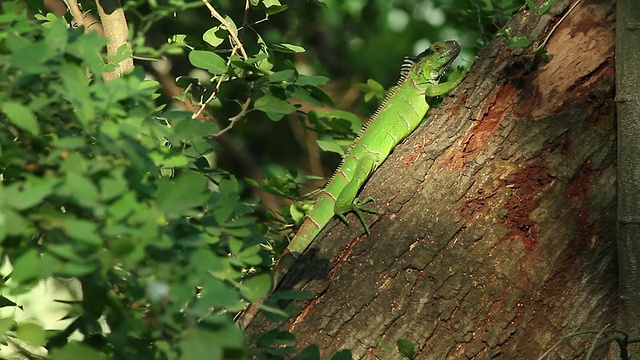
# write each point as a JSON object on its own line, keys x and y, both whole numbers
{"x": 117, "y": 33}
{"x": 628, "y": 107}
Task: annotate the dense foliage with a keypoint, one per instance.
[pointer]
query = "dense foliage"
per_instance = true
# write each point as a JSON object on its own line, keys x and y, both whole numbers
{"x": 104, "y": 187}
{"x": 101, "y": 187}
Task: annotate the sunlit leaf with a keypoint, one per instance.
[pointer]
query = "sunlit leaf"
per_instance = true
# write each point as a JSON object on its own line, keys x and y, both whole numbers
{"x": 288, "y": 48}
{"x": 330, "y": 146}
{"x": 76, "y": 350}
{"x": 211, "y": 37}
{"x": 209, "y": 61}
{"x": 201, "y": 344}
{"x": 519, "y": 42}
{"x": 256, "y": 287}
{"x": 406, "y": 348}
{"x": 311, "y": 352}
{"x": 185, "y": 192}
{"x": 31, "y": 333}
{"x": 274, "y": 106}
{"x": 21, "y": 196}
{"x": 21, "y": 116}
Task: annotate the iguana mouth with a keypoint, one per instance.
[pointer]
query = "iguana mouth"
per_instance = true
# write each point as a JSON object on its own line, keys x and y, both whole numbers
{"x": 452, "y": 53}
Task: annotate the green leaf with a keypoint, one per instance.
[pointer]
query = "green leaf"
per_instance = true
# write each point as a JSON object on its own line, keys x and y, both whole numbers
{"x": 124, "y": 206}
{"x": 211, "y": 37}
{"x": 31, "y": 333}
{"x": 276, "y": 9}
{"x": 287, "y": 48}
{"x": 311, "y": 80}
{"x": 330, "y": 146}
{"x": 282, "y": 76}
{"x": 76, "y": 88}
{"x": 531, "y": 5}
{"x": 31, "y": 266}
{"x": 546, "y": 6}
{"x": 19, "y": 225}
{"x": 312, "y": 95}
{"x": 372, "y": 89}
{"x": 12, "y": 12}
{"x": 342, "y": 355}
{"x": 272, "y": 105}
{"x": 355, "y": 124}
{"x": 201, "y": 344}
{"x": 165, "y": 157}
{"x": 82, "y": 230}
{"x": 251, "y": 255}
{"x": 21, "y": 116}
{"x": 297, "y": 212}
{"x": 71, "y": 269}
{"x": 88, "y": 49}
{"x": 113, "y": 186}
{"x": 256, "y": 287}
{"x": 519, "y": 41}
{"x": 76, "y": 350}
{"x": 6, "y": 324}
{"x": 186, "y": 128}
{"x": 4, "y": 302}
{"x": 69, "y": 142}
{"x": 209, "y": 61}
{"x": 22, "y": 196}
{"x": 56, "y": 37}
{"x": 406, "y": 348}
{"x": 311, "y": 352}
{"x": 216, "y": 293}
{"x": 31, "y": 57}
{"x": 183, "y": 193}
{"x": 81, "y": 189}
{"x": 383, "y": 344}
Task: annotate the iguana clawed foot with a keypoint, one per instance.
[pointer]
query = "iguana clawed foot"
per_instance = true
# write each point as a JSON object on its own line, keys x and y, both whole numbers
{"x": 357, "y": 207}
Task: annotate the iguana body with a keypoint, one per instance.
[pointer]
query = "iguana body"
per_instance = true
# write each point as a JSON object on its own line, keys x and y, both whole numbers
{"x": 398, "y": 116}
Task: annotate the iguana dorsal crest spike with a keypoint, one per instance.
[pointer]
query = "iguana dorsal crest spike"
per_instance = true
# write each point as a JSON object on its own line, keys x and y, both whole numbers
{"x": 407, "y": 65}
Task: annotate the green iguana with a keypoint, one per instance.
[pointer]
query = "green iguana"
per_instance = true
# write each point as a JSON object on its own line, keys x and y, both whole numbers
{"x": 398, "y": 115}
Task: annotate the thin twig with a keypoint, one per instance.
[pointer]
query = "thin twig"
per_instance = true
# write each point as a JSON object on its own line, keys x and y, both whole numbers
{"x": 232, "y": 30}
{"x": 236, "y": 46}
{"x": 234, "y": 119}
{"x": 76, "y": 13}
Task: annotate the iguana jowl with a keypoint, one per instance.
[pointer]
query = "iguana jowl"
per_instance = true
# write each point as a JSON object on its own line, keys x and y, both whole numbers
{"x": 398, "y": 116}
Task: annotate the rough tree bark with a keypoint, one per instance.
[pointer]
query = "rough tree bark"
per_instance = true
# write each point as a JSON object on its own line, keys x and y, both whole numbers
{"x": 628, "y": 109}
{"x": 497, "y": 232}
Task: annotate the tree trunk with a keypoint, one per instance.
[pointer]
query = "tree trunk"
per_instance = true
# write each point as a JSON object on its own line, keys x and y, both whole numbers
{"x": 497, "y": 229}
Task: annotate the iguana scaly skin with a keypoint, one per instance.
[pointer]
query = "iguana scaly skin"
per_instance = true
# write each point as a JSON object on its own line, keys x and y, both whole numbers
{"x": 398, "y": 115}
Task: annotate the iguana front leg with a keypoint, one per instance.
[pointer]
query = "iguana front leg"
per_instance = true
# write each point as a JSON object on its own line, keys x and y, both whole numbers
{"x": 443, "y": 88}
{"x": 347, "y": 201}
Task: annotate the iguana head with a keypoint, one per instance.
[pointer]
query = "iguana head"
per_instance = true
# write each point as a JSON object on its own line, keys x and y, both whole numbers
{"x": 426, "y": 68}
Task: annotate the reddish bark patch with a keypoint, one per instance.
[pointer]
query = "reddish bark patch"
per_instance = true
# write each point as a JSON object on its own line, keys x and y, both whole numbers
{"x": 479, "y": 136}
{"x": 577, "y": 192}
{"x": 526, "y": 186}
{"x": 576, "y": 189}
{"x": 524, "y": 284}
{"x": 473, "y": 206}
